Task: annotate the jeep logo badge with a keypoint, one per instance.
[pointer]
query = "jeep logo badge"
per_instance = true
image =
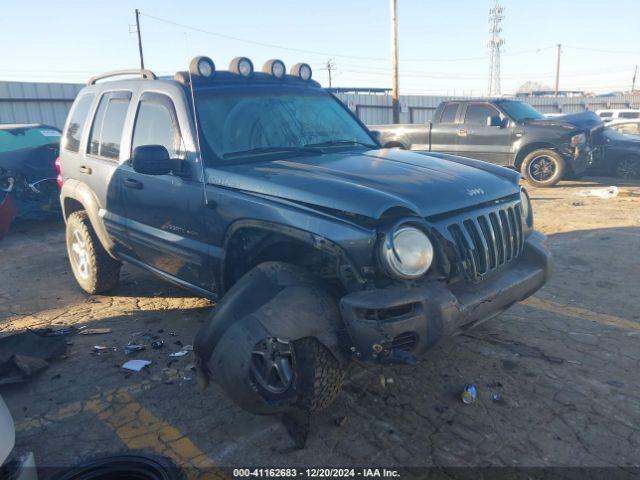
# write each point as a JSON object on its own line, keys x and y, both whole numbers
{"x": 472, "y": 192}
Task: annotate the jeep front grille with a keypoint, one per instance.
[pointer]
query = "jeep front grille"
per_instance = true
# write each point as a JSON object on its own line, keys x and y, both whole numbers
{"x": 487, "y": 242}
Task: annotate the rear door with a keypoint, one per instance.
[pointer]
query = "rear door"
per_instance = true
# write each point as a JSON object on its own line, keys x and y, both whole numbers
{"x": 478, "y": 140}
{"x": 166, "y": 212}
{"x": 444, "y": 132}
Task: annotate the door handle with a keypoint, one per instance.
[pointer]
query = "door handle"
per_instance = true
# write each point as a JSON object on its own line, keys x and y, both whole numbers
{"x": 131, "y": 183}
{"x": 462, "y": 132}
{"x": 85, "y": 169}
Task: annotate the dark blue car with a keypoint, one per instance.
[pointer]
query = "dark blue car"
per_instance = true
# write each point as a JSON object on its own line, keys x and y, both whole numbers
{"x": 262, "y": 190}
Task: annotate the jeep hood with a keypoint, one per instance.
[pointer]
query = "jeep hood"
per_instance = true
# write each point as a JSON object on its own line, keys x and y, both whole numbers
{"x": 369, "y": 183}
{"x": 581, "y": 121}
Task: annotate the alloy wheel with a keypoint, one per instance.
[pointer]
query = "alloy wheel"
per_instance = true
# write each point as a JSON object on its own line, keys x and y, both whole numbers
{"x": 542, "y": 168}
{"x": 80, "y": 255}
{"x": 628, "y": 168}
{"x": 272, "y": 365}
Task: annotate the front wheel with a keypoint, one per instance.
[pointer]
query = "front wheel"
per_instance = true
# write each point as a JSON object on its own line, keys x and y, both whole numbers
{"x": 94, "y": 269}
{"x": 628, "y": 167}
{"x": 543, "y": 168}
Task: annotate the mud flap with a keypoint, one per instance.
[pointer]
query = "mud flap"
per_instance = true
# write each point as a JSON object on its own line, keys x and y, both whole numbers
{"x": 274, "y": 300}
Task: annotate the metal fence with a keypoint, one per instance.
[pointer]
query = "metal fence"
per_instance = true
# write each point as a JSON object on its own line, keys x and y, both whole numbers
{"x": 376, "y": 109}
{"x": 29, "y": 102}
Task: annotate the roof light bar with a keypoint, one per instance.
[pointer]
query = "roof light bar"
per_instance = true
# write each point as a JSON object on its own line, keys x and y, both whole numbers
{"x": 241, "y": 66}
{"x": 202, "y": 66}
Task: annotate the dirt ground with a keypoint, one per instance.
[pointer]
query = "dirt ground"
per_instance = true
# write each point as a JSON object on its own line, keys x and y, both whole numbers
{"x": 557, "y": 376}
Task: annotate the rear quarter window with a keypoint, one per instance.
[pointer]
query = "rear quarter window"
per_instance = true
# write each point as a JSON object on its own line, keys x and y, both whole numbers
{"x": 106, "y": 131}
{"x": 74, "y": 130}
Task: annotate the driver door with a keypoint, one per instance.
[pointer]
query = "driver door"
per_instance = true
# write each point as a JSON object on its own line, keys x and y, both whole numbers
{"x": 165, "y": 213}
{"x": 478, "y": 140}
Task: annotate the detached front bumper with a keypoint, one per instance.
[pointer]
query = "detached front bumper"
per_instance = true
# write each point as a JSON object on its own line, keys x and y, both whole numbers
{"x": 390, "y": 325}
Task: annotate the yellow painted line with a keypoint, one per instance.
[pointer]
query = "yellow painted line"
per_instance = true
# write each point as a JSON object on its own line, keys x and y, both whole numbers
{"x": 582, "y": 313}
{"x": 140, "y": 429}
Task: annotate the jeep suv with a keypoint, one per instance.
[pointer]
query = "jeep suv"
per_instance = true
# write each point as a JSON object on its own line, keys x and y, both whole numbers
{"x": 264, "y": 191}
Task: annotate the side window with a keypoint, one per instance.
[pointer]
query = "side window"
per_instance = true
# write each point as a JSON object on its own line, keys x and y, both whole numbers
{"x": 449, "y": 113}
{"x": 76, "y": 125}
{"x": 106, "y": 131}
{"x": 605, "y": 114}
{"x": 477, "y": 113}
{"x": 629, "y": 114}
{"x": 156, "y": 124}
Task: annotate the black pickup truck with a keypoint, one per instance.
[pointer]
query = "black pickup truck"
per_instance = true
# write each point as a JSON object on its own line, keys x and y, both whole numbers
{"x": 506, "y": 132}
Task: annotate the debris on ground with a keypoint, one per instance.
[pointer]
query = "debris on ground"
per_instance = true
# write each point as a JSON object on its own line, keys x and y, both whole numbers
{"x": 603, "y": 193}
{"x": 157, "y": 344}
{"x": 180, "y": 353}
{"x": 132, "y": 348}
{"x": 55, "y": 332}
{"x": 136, "y": 365}
{"x": 340, "y": 421}
{"x": 469, "y": 394}
{"x": 94, "y": 331}
{"x": 24, "y": 354}
{"x": 498, "y": 399}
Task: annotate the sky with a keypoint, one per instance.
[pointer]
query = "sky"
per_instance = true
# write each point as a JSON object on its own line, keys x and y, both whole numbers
{"x": 443, "y": 44}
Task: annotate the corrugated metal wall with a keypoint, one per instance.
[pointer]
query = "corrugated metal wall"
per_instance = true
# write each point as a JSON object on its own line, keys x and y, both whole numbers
{"x": 29, "y": 102}
{"x": 376, "y": 109}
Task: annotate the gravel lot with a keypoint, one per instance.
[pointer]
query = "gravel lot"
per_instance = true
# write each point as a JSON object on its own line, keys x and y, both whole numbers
{"x": 557, "y": 376}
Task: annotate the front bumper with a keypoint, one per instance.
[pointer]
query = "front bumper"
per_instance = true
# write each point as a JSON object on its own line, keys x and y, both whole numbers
{"x": 390, "y": 325}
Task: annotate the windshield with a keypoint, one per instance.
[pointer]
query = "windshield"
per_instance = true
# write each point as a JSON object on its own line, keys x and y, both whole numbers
{"x": 18, "y": 138}
{"x": 238, "y": 124}
{"x": 614, "y": 134}
{"x": 520, "y": 111}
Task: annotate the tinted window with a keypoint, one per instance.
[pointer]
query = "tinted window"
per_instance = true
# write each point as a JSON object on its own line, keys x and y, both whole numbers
{"x": 156, "y": 124}
{"x": 76, "y": 124}
{"x": 629, "y": 114}
{"x": 106, "y": 131}
{"x": 449, "y": 113}
{"x": 605, "y": 114}
{"x": 628, "y": 128}
{"x": 477, "y": 113}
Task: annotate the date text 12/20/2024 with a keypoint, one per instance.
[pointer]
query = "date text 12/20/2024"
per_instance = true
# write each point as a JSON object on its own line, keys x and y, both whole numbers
{"x": 315, "y": 473}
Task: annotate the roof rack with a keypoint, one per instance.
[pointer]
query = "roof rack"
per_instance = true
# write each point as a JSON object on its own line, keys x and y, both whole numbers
{"x": 144, "y": 73}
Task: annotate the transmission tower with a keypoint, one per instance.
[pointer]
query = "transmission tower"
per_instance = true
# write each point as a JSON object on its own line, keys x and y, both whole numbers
{"x": 495, "y": 42}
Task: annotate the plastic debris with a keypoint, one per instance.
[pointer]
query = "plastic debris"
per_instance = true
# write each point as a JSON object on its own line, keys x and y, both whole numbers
{"x": 340, "y": 421}
{"x": 469, "y": 394}
{"x": 136, "y": 365}
{"x": 94, "y": 331}
{"x": 132, "y": 348}
{"x": 157, "y": 344}
{"x": 100, "y": 348}
{"x": 180, "y": 353}
{"x": 603, "y": 193}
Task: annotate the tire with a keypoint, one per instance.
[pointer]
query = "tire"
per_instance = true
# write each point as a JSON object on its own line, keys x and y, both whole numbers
{"x": 93, "y": 268}
{"x": 125, "y": 467}
{"x": 317, "y": 378}
{"x": 628, "y": 167}
{"x": 543, "y": 168}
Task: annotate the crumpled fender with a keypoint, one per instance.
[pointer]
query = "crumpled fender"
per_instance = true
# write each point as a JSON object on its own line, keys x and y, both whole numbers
{"x": 273, "y": 300}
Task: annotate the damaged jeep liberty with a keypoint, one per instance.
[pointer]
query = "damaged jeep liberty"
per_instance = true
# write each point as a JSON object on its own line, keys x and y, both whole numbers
{"x": 262, "y": 190}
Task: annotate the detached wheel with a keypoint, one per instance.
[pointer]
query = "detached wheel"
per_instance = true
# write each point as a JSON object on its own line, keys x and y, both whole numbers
{"x": 126, "y": 467}
{"x": 628, "y": 167}
{"x": 93, "y": 268}
{"x": 543, "y": 168}
{"x": 304, "y": 369}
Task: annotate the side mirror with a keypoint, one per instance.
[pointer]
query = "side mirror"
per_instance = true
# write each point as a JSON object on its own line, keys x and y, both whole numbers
{"x": 376, "y": 136}
{"x": 494, "y": 121}
{"x": 151, "y": 160}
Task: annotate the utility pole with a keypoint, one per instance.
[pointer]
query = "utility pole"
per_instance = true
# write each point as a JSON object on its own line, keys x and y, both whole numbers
{"x": 633, "y": 83}
{"x": 331, "y": 65}
{"x": 395, "y": 98}
{"x": 495, "y": 42}
{"x": 558, "y": 71}
{"x": 139, "y": 38}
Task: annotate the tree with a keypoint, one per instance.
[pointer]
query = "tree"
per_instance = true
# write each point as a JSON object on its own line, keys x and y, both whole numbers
{"x": 528, "y": 87}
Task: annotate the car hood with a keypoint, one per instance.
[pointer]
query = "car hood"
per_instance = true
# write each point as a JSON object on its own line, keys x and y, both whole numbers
{"x": 582, "y": 121}
{"x": 370, "y": 183}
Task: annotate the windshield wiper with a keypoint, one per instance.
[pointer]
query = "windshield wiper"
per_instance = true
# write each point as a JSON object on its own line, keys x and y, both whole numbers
{"x": 338, "y": 143}
{"x": 262, "y": 150}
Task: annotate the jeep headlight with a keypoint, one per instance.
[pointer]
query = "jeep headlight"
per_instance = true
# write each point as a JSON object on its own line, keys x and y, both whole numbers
{"x": 527, "y": 211}
{"x": 579, "y": 139}
{"x": 407, "y": 253}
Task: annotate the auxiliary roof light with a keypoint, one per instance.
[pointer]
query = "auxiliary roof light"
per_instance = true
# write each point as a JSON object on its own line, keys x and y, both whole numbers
{"x": 241, "y": 66}
{"x": 274, "y": 67}
{"x": 302, "y": 71}
{"x": 202, "y": 66}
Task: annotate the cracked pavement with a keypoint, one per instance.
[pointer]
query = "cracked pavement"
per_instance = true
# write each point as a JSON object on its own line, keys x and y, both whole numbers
{"x": 557, "y": 376}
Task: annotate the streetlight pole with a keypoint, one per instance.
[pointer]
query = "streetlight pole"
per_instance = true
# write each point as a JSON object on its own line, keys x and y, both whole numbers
{"x": 558, "y": 70}
{"x": 394, "y": 62}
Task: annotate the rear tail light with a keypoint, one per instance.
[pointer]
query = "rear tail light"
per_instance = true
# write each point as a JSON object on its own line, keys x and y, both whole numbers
{"x": 59, "y": 170}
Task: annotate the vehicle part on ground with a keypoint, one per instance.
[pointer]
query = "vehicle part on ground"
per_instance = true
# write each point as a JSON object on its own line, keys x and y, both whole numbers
{"x": 7, "y": 213}
{"x": 126, "y": 467}
{"x": 257, "y": 349}
{"x": 628, "y": 167}
{"x": 95, "y": 271}
{"x": 543, "y": 168}
{"x": 24, "y": 354}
